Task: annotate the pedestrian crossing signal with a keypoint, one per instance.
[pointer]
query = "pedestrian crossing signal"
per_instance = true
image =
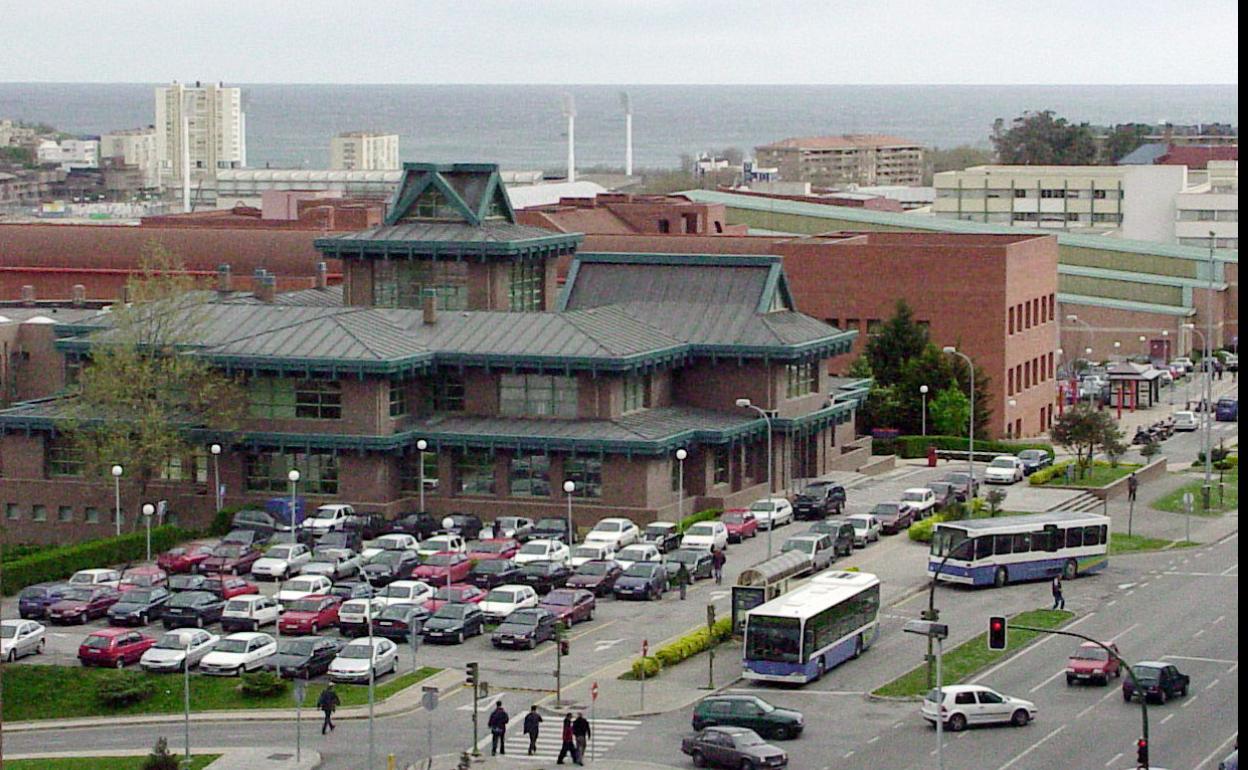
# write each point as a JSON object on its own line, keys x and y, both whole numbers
{"x": 1141, "y": 753}
{"x": 473, "y": 674}
{"x": 996, "y": 632}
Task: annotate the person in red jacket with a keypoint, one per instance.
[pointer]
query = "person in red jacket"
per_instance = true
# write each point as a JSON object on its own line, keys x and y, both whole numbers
{"x": 569, "y": 743}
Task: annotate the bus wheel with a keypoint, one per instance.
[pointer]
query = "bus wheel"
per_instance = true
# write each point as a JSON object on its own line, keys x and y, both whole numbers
{"x": 1071, "y": 570}
{"x": 821, "y": 668}
{"x": 1000, "y": 577}
{"x": 858, "y": 646}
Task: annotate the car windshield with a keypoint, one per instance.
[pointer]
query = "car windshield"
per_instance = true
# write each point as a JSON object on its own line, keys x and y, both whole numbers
{"x": 609, "y": 526}
{"x": 227, "y": 550}
{"x": 8, "y": 632}
{"x": 640, "y": 569}
{"x": 887, "y": 509}
{"x": 357, "y": 651}
{"x": 353, "y": 608}
{"x": 631, "y": 553}
{"x": 299, "y": 585}
{"x": 296, "y": 647}
{"x": 231, "y": 645}
{"x": 492, "y": 566}
{"x": 657, "y": 530}
{"x": 396, "y": 612}
{"x": 238, "y": 605}
{"x": 397, "y": 592}
{"x": 748, "y": 738}
{"x": 184, "y": 581}
{"x": 684, "y": 557}
{"x": 325, "y": 513}
{"x": 34, "y": 592}
{"x": 304, "y": 605}
{"x": 860, "y": 523}
{"x": 765, "y": 506}
{"x": 171, "y": 642}
{"x": 537, "y": 567}
{"x": 534, "y": 549}
{"x": 486, "y": 547}
{"x": 387, "y": 558}
{"x": 78, "y": 594}
{"x": 451, "y": 611}
{"x": 701, "y": 530}
{"x": 1145, "y": 674}
{"x": 440, "y": 560}
{"x": 138, "y": 597}
{"x": 1002, "y": 462}
{"x": 280, "y": 552}
{"x": 84, "y": 579}
{"x": 142, "y": 579}
{"x": 915, "y": 496}
{"x": 551, "y": 525}
{"x": 1091, "y": 653}
{"x": 453, "y": 594}
{"x": 96, "y": 642}
{"x": 560, "y": 598}
{"x": 805, "y": 546}
{"x": 586, "y": 552}
{"x": 498, "y": 595}
{"x": 1032, "y": 454}
{"x": 593, "y": 568}
{"x": 733, "y": 517}
{"x": 191, "y": 599}
{"x": 392, "y": 543}
{"x": 522, "y": 618}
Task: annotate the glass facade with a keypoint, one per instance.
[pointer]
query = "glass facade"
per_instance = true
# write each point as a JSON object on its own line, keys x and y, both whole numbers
{"x": 444, "y": 393}
{"x": 409, "y": 472}
{"x": 474, "y": 473}
{"x": 283, "y": 399}
{"x": 266, "y": 472}
{"x": 398, "y": 399}
{"x": 401, "y": 283}
{"x": 526, "y": 288}
{"x": 636, "y": 390}
{"x": 586, "y": 474}
{"x": 64, "y": 459}
{"x": 530, "y": 476}
{"x": 537, "y": 395}
{"x": 802, "y": 379}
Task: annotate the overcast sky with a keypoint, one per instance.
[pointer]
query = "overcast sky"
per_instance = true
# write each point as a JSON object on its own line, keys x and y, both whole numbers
{"x": 623, "y": 41}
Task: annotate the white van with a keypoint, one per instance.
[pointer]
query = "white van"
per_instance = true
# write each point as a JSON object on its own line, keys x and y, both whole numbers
{"x": 1186, "y": 421}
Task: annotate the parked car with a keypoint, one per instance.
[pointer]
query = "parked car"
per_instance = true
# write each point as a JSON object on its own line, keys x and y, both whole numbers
{"x": 590, "y": 551}
{"x": 615, "y": 532}
{"x": 454, "y": 623}
{"x": 19, "y": 638}
{"x": 260, "y": 522}
{"x": 363, "y": 659}
{"x": 1034, "y": 460}
{"x": 418, "y": 525}
{"x": 444, "y": 567}
{"x": 866, "y": 528}
{"x": 190, "y": 582}
{"x": 663, "y": 535}
{"x": 114, "y": 647}
{"x": 33, "y": 601}
{"x": 349, "y": 539}
{"x": 946, "y": 495}
{"x": 455, "y": 593}
{"x": 95, "y": 577}
{"x": 385, "y": 567}
{"x": 391, "y": 541}
{"x": 640, "y": 552}
{"x": 351, "y": 589}
{"x": 922, "y": 501}
{"x": 570, "y": 605}
{"x": 239, "y": 653}
{"x": 819, "y": 499}
{"x": 466, "y": 525}
{"x": 1004, "y": 469}
{"x": 406, "y": 592}
{"x": 303, "y": 657}
{"x": 642, "y": 580}
{"x": 441, "y": 544}
{"x": 228, "y": 586}
{"x": 1091, "y": 663}
{"x": 192, "y": 608}
{"x": 139, "y": 606}
{"x": 964, "y": 486}
{"x": 552, "y": 528}
{"x": 332, "y": 562}
{"x": 772, "y": 512}
{"x": 177, "y": 649}
{"x": 1226, "y": 410}
{"x": 282, "y": 561}
{"x": 82, "y": 603}
{"x": 544, "y": 576}
{"x": 969, "y": 704}
{"x": 355, "y": 615}
{"x": 505, "y": 599}
{"x": 893, "y": 516}
{"x": 1183, "y": 361}
{"x": 364, "y": 526}
{"x": 842, "y": 533}
{"x": 525, "y": 628}
{"x": 310, "y": 614}
{"x": 399, "y": 622}
{"x": 710, "y": 535}
{"x": 184, "y": 558}
{"x": 732, "y": 747}
{"x": 596, "y": 576}
{"x": 306, "y": 585}
{"x": 698, "y": 561}
{"x": 518, "y": 528}
{"x": 740, "y": 523}
{"x": 142, "y": 577}
{"x": 495, "y": 572}
{"x": 249, "y": 612}
{"x": 1186, "y": 421}
{"x": 751, "y": 712}
{"x": 1158, "y": 682}
{"x": 494, "y": 548}
{"x": 231, "y": 558}
{"x": 328, "y": 518}
{"x": 817, "y": 548}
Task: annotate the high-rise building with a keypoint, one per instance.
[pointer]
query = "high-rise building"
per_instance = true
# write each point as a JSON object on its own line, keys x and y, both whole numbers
{"x": 364, "y": 151}
{"x": 216, "y": 128}
{"x": 135, "y": 147}
{"x": 865, "y": 159}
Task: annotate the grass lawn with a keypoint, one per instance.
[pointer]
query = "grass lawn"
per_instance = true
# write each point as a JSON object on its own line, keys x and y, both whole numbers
{"x": 198, "y": 762}
{"x": 1120, "y": 542}
{"x": 1173, "y": 501}
{"x": 1097, "y": 476}
{"x": 59, "y": 692}
{"x": 974, "y": 656}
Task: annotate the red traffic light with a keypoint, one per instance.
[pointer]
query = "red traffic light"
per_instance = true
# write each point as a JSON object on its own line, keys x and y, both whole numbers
{"x": 1141, "y": 753}
{"x": 996, "y": 632}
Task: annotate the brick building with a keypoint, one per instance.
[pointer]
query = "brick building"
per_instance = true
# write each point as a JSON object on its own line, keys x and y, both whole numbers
{"x": 866, "y": 159}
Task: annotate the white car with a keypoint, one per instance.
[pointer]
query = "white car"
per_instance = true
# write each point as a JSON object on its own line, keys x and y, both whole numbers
{"x": 354, "y": 615}
{"x": 772, "y": 511}
{"x": 514, "y": 527}
{"x": 543, "y": 550}
{"x": 89, "y": 578}
{"x": 354, "y": 661}
{"x": 282, "y": 561}
{"x": 1004, "y": 469}
{"x": 968, "y": 704}
{"x": 441, "y": 543}
{"x": 19, "y": 638}
{"x": 328, "y": 518}
{"x": 238, "y": 653}
{"x": 638, "y": 552}
{"x": 923, "y": 500}
{"x": 866, "y": 528}
{"x": 506, "y": 599}
{"x": 306, "y": 585}
{"x": 617, "y": 533}
{"x": 249, "y": 611}
{"x": 707, "y": 535}
{"x": 1185, "y": 362}
{"x": 395, "y": 541}
{"x": 175, "y": 648}
{"x": 1186, "y": 421}
{"x": 405, "y": 592}
{"x": 590, "y": 551}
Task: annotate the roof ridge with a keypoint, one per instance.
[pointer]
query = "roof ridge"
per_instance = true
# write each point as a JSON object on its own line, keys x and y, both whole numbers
{"x": 378, "y": 318}
{"x": 333, "y": 313}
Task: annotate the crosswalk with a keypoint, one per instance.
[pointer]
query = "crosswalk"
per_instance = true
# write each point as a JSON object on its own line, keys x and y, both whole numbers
{"x": 606, "y": 734}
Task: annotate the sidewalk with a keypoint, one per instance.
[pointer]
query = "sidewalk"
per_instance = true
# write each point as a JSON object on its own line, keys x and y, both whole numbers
{"x": 231, "y": 758}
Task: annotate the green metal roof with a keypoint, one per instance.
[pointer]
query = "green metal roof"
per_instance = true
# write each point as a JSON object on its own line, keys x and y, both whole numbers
{"x": 1126, "y": 304}
{"x": 1137, "y": 277}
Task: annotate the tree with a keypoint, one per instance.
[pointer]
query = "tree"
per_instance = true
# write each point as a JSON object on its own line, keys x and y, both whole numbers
{"x": 160, "y": 758}
{"x": 1123, "y": 140}
{"x": 1042, "y": 139}
{"x": 951, "y": 411}
{"x": 898, "y": 340}
{"x": 1082, "y": 430}
{"x": 955, "y": 159}
{"x": 141, "y": 390}
{"x": 994, "y": 498}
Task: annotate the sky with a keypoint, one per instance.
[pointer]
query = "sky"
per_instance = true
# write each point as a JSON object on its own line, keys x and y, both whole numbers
{"x": 624, "y": 41}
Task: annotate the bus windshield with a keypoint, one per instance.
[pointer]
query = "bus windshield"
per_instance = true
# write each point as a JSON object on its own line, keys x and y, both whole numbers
{"x": 946, "y": 539}
{"x": 773, "y": 639}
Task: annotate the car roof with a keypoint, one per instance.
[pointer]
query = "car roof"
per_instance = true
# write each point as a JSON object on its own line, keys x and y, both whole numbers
{"x": 672, "y": 525}
{"x": 730, "y": 729}
{"x": 965, "y": 688}
{"x": 920, "y": 490}
{"x": 1152, "y": 663}
{"x": 247, "y": 635}
{"x": 110, "y": 632}
{"x": 95, "y": 570}
{"x": 15, "y": 621}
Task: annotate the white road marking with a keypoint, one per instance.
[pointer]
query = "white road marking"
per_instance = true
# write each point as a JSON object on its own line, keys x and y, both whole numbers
{"x": 1124, "y": 632}
{"x": 606, "y": 644}
{"x": 1190, "y": 701}
{"x": 1211, "y": 684}
{"x": 1198, "y": 634}
{"x": 1218, "y": 620}
{"x": 1125, "y": 586}
{"x": 1046, "y": 681}
{"x": 873, "y": 740}
{"x": 1114, "y": 759}
{"x": 1168, "y": 717}
{"x": 1031, "y": 748}
{"x": 717, "y": 595}
{"x": 1111, "y": 603}
{"x": 1219, "y": 751}
{"x": 849, "y": 754}
{"x": 899, "y": 724}
{"x": 1227, "y": 571}
{"x": 1200, "y": 660}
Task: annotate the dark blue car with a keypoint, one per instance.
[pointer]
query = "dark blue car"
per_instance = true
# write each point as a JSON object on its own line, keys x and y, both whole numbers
{"x": 33, "y": 601}
{"x": 1227, "y": 410}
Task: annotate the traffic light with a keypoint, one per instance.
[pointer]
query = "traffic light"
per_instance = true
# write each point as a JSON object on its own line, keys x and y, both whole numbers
{"x": 474, "y": 675}
{"x": 1141, "y": 753}
{"x": 996, "y": 632}
{"x": 565, "y": 647}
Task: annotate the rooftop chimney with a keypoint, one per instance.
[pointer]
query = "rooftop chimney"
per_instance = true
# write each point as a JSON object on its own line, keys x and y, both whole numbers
{"x": 429, "y": 305}
{"x": 266, "y": 286}
{"x": 28, "y": 295}
{"x": 79, "y": 294}
{"x": 322, "y": 276}
{"x": 225, "y": 279}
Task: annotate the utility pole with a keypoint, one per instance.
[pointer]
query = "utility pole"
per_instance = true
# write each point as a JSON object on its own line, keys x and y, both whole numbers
{"x": 710, "y": 657}
{"x": 562, "y": 647}
{"x": 474, "y": 681}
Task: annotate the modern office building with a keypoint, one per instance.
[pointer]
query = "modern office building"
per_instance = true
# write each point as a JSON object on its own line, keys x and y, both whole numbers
{"x": 215, "y": 125}
{"x": 364, "y": 151}
{"x": 137, "y": 147}
{"x": 1207, "y": 214}
{"x": 866, "y": 159}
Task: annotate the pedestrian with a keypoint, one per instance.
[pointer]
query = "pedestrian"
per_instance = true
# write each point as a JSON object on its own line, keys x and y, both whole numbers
{"x": 532, "y": 723}
{"x": 1059, "y": 601}
{"x": 569, "y": 742}
{"x": 581, "y": 732}
{"x": 328, "y": 702}
{"x": 1132, "y": 485}
{"x": 498, "y": 729}
{"x": 682, "y": 580}
{"x": 718, "y": 559}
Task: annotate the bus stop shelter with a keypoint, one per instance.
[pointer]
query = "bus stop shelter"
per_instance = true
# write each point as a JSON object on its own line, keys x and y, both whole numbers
{"x": 763, "y": 582}
{"x": 1138, "y": 385}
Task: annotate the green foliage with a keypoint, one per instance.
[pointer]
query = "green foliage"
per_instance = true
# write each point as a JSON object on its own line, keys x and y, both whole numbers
{"x": 683, "y": 648}
{"x": 160, "y": 758}
{"x": 710, "y": 514}
{"x": 223, "y": 520}
{"x": 1042, "y": 139}
{"x": 898, "y": 340}
{"x": 262, "y": 684}
{"x": 994, "y": 498}
{"x": 1083, "y": 431}
{"x": 1123, "y": 140}
{"x": 1045, "y": 475}
{"x": 13, "y": 552}
{"x": 911, "y": 447}
{"x": 18, "y": 156}
{"x": 647, "y": 667}
{"x": 123, "y": 688}
{"x": 1121, "y": 542}
{"x": 955, "y": 159}
{"x": 1217, "y": 453}
{"x": 921, "y": 531}
{"x": 951, "y": 411}
{"x": 61, "y": 562}
{"x": 1150, "y": 450}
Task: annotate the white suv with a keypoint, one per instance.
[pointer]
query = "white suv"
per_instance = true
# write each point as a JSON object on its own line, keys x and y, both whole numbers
{"x": 299, "y": 587}
{"x": 328, "y": 518}
{"x": 921, "y": 500}
{"x": 249, "y": 612}
{"x": 707, "y": 535}
{"x": 968, "y": 704}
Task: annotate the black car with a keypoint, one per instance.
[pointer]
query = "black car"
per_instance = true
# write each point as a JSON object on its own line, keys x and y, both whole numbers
{"x": 454, "y": 623}
{"x": 598, "y": 576}
{"x": 841, "y": 532}
{"x": 735, "y": 747}
{"x": 696, "y": 560}
{"x": 33, "y": 601}
{"x": 399, "y": 621}
{"x": 192, "y": 608}
{"x": 544, "y": 576}
{"x": 664, "y": 535}
{"x": 964, "y": 486}
{"x": 388, "y": 566}
{"x": 1158, "y": 682}
{"x": 1034, "y": 460}
{"x": 945, "y": 493}
{"x": 139, "y": 606}
{"x": 466, "y": 525}
{"x": 493, "y": 572}
{"x": 180, "y": 583}
{"x": 819, "y": 499}
{"x": 419, "y": 525}
{"x": 525, "y": 628}
{"x": 352, "y": 589}
{"x": 351, "y": 540}
{"x": 551, "y": 528}
{"x": 366, "y": 525}
{"x": 303, "y": 657}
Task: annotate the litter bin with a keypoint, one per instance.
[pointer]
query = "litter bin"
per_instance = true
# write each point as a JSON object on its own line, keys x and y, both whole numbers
{"x": 931, "y": 455}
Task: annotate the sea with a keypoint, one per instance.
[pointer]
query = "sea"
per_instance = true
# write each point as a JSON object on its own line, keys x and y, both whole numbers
{"x": 523, "y": 127}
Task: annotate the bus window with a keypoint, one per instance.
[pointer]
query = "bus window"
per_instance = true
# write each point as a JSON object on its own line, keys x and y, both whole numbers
{"x": 983, "y": 547}
{"x": 1074, "y": 537}
{"x": 1022, "y": 542}
{"x": 946, "y": 539}
{"x": 1040, "y": 540}
{"x": 1104, "y": 534}
{"x": 1003, "y": 544}
{"x": 1091, "y": 535}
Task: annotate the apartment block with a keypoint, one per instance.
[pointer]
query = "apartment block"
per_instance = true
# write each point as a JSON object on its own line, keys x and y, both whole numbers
{"x": 1207, "y": 214}
{"x": 864, "y": 159}
{"x": 70, "y": 154}
{"x": 135, "y": 147}
{"x": 364, "y": 151}
{"x": 216, "y": 129}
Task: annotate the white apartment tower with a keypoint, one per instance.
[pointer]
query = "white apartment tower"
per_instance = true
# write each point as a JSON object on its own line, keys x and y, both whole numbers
{"x": 136, "y": 147}
{"x": 215, "y": 126}
{"x": 364, "y": 151}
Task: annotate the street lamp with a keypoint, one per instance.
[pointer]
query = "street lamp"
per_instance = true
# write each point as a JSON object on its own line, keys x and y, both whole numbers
{"x": 681, "y": 454}
{"x": 421, "y": 446}
{"x": 117, "y": 471}
{"x": 744, "y": 403}
{"x": 923, "y": 395}
{"x": 294, "y": 502}
{"x": 1206, "y": 366}
{"x": 1117, "y": 348}
{"x": 1009, "y": 410}
{"x": 569, "y": 486}
{"x": 1144, "y": 345}
{"x": 1076, "y": 319}
{"x": 149, "y": 510}
{"x": 970, "y": 456}
{"x": 215, "y": 451}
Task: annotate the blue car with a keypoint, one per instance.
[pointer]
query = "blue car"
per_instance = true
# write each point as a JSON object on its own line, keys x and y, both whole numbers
{"x": 642, "y": 580}
{"x": 1227, "y": 410}
{"x": 33, "y": 601}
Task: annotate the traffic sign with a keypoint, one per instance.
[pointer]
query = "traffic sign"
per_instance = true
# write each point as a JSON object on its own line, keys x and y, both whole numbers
{"x": 301, "y": 691}
{"x": 1188, "y": 501}
{"x": 593, "y": 691}
{"x": 429, "y": 698}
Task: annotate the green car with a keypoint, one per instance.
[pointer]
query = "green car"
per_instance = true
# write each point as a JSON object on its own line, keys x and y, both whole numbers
{"x": 748, "y": 711}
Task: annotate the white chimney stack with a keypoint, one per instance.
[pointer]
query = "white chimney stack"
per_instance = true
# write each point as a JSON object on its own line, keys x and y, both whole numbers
{"x": 627, "y": 103}
{"x": 569, "y": 112}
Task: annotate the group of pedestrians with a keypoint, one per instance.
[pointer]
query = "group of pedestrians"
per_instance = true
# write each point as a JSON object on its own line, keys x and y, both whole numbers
{"x": 683, "y": 579}
{"x": 575, "y": 733}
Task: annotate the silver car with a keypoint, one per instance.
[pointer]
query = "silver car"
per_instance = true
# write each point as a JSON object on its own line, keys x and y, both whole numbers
{"x": 178, "y": 648}
{"x": 19, "y": 638}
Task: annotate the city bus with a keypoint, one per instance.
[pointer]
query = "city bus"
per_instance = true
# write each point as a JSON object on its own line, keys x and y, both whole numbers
{"x": 1008, "y": 549}
{"x": 799, "y": 636}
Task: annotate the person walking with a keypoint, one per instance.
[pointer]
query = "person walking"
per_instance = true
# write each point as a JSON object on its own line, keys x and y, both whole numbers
{"x": 569, "y": 742}
{"x": 1059, "y": 601}
{"x": 532, "y": 724}
{"x": 718, "y": 559}
{"x": 682, "y": 580}
{"x": 581, "y": 732}
{"x": 498, "y": 729}
{"x": 328, "y": 702}
{"x": 1133, "y": 484}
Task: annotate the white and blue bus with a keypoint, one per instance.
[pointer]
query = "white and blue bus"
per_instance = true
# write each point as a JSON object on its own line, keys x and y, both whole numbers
{"x": 799, "y": 636}
{"x": 1008, "y": 549}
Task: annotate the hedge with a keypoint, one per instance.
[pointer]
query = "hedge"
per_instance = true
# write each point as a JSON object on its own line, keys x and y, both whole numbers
{"x": 710, "y": 514}
{"x": 683, "y": 648}
{"x": 59, "y": 563}
{"x": 1045, "y": 475}
{"x": 921, "y": 531}
{"x": 911, "y": 447}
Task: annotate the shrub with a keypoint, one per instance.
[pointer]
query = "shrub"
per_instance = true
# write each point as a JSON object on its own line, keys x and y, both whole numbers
{"x": 710, "y": 514}
{"x": 160, "y": 758}
{"x": 994, "y": 498}
{"x": 911, "y": 447}
{"x": 61, "y": 562}
{"x": 223, "y": 520}
{"x": 683, "y": 648}
{"x": 262, "y": 684}
{"x": 121, "y": 688}
{"x": 649, "y": 665}
{"x": 921, "y": 531}
{"x": 1045, "y": 475}
{"x": 1150, "y": 450}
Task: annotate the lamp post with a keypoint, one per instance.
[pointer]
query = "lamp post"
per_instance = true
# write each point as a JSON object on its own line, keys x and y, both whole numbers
{"x": 970, "y": 456}
{"x": 1206, "y": 414}
{"x": 1165, "y": 350}
{"x": 569, "y": 486}
{"x": 681, "y": 454}
{"x": 421, "y": 446}
{"x": 215, "y": 451}
{"x": 149, "y": 510}
{"x": 1117, "y": 349}
{"x": 1144, "y": 346}
{"x": 923, "y": 396}
{"x": 294, "y": 502}
{"x": 745, "y": 403}
{"x": 1087, "y": 356}
{"x": 1009, "y": 427}
{"x": 117, "y": 471}
{"x": 1076, "y": 319}
{"x": 186, "y": 698}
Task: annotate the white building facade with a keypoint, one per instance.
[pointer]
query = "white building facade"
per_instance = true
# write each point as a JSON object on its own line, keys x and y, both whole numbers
{"x": 216, "y": 129}
{"x": 135, "y": 147}
{"x": 1207, "y": 214}
{"x": 364, "y": 151}
{"x": 69, "y": 154}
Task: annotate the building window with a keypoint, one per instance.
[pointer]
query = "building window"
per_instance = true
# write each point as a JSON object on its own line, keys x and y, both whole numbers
{"x": 1011, "y": 320}
{"x": 530, "y": 476}
{"x": 526, "y": 290}
{"x": 474, "y": 473}
{"x": 401, "y": 283}
{"x": 12, "y": 512}
{"x": 39, "y": 512}
{"x": 802, "y": 379}
{"x": 398, "y": 399}
{"x": 445, "y": 394}
{"x": 586, "y": 474}
{"x": 318, "y": 400}
{"x": 271, "y": 397}
{"x": 65, "y": 513}
{"x": 722, "y": 457}
{"x": 852, "y": 324}
{"x": 267, "y": 472}
{"x": 636, "y": 390}
{"x": 537, "y": 395}
{"x": 409, "y": 472}
{"x": 92, "y": 515}
{"x": 64, "y": 458}
{"x": 73, "y": 370}
{"x": 172, "y": 470}
{"x": 433, "y": 204}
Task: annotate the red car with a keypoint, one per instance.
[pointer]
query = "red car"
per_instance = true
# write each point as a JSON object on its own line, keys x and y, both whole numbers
{"x": 570, "y": 605}
{"x": 80, "y": 604}
{"x": 496, "y": 548}
{"x": 740, "y": 523}
{"x": 1091, "y": 663}
{"x": 444, "y": 567}
{"x": 184, "y": 558}
{"x": 114, "y": 647}
{"x": 142, "y": 577}
{"x": 310, "y": 614}
{"x": 228, "y": 586}
{"x": 231, "y": 558}
{"x": 455, "y": 593}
